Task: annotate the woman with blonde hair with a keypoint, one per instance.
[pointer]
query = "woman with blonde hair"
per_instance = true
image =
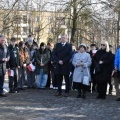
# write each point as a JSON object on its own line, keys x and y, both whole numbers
{"x": 102, "y": 61}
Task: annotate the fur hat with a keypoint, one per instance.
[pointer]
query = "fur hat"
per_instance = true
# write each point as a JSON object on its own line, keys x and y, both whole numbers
{"x": 84, "y": 45}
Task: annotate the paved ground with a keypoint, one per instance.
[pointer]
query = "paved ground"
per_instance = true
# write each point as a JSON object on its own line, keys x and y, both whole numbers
{"x": 43, "y": 105}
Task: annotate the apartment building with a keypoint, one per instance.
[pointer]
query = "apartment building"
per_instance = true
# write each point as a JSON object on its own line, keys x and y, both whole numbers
{"x": 43, "y": 25}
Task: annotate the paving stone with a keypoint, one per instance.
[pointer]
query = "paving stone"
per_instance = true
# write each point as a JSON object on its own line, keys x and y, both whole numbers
{"x": 36, "y": 104}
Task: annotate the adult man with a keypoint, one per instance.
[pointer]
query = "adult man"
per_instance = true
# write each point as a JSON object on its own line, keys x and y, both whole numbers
{"x": 31, "y": 74}
{"x": 31, "y": 39}
{"x": 12, "y": 65}
{"x": 111, "y": 67}
{"x": 62, "y": 56}
{"x": 117, "y": 71}
{"x": 50, "y": 49}
{"x": 92, "y": 53}
{"x": 4, "y": 57}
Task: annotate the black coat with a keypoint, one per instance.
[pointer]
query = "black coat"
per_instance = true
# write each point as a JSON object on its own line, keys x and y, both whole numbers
{"x": 63, "y": 53}
{"x": 92, "y": 65}
{"x": 14, "y": 57}
{"x": 105, "y": 74}
{"x": 45, "y": 55}
{"x": 4, "y": 53}
{"x": 112, "y": 64}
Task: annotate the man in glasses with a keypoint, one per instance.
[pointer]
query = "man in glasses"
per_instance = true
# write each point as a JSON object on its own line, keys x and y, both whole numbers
{"x": 4, "y": 57}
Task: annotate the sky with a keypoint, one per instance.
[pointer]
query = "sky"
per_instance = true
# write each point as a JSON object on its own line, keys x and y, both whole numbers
{"x": 51, "y": 4}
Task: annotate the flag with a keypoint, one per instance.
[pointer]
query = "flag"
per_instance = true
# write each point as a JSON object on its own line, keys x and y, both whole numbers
{"x": 31, "y": 67}
{"x": 94, "y": 52}
{"x": 10, "y": 73}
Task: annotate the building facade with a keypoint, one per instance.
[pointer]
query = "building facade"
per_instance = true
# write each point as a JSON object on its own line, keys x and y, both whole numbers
{"x": 43, "y": 25}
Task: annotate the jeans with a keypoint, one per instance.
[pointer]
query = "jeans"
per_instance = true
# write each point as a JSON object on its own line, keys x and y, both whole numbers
{"x": 117, "y": 83}
{"x": 41, "y": 79}
{"x": 21, "y": 77}
{"x": 30, "y": 79}
{"x": 13, "y": 80}
{"x": 54, "y": 78}
{"x": 1, "y": 83}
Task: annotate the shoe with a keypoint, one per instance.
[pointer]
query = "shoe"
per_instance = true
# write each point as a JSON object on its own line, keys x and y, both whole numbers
{"x": 78, "y": 96}
{"x": 98, "y": 97}
{"x": 21, "y": 88}
{"x": 33, "y": 87}
{"x": 12, "y": 91}
{"x": 42, "y": 88}
{"x": 58, "y": 94}
{"x": 3, "y": 95}
{"x": 103, "y": 98}
{"x": 89, "y": 90}
{"x": 54, "y": 88}
{"x": 118, "y": 99}
{"x": 29, "y": 87}
{"x": 83, "y": 96}
{"x": 110, "y": 93}
{"x": 66, "y": 95}
{"x": 93, "y": 91}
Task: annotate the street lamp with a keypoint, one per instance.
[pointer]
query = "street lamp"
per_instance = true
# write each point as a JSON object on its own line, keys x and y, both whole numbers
{"x": 117, "y": 9}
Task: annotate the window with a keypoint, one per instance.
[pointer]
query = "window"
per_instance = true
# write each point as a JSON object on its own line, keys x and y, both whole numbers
{"x": 60, "y": 21}
{"x": 17, "y": 30}
{"x": 50, "y": 19}
{"x": 25, "y": 30}
{"x": 17, "y": 19}
{"x": 37, "y": 19}
{"x": 24, "y": 19}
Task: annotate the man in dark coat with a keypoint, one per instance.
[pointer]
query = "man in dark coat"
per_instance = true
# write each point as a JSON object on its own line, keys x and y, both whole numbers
{"x": 50, "y": 49}
{"x": 13, "y": 65}
{"x": 4, "y": 57}
{"x": 62, "y": 56}
{"x": 111, "y": 67}
{"x": 92, "y": 54}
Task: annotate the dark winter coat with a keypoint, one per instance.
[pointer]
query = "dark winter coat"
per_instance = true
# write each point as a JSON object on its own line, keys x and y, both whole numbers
{"x": 14, "y": 57}
{"x": 105, "y": 73}
{"x": 92, "y": 65}
{"x": 45, "y": 56}
{"x": 4, "y": 53}
{"x": 112, "y": 64}
{"x": 63, "y": 53}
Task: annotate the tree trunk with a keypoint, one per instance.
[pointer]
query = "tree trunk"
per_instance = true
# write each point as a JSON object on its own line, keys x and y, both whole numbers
{"x": 74, "y": 21}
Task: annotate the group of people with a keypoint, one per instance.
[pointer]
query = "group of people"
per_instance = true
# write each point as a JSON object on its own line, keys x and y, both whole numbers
{"x": 40, "y": 66}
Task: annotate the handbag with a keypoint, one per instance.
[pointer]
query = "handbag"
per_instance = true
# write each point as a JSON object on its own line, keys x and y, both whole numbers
{"x": 115, "y": 74}
{"x": 97, "y": 69}
{"x": 86, "y": 79}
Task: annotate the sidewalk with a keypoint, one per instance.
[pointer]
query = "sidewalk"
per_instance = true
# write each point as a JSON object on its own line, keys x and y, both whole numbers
{"x": 36, "y": 104}
{"x": 33, "y": 104}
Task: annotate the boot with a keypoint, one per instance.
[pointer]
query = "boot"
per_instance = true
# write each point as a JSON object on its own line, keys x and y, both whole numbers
{"x": 79, "y": 94}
